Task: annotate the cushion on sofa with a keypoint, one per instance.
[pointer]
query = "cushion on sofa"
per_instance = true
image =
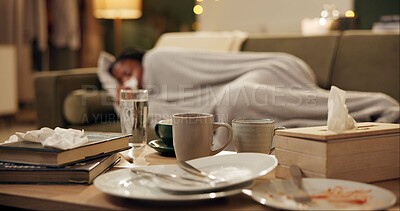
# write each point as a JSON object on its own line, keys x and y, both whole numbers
{"x": 89, "y": 106}
{"x": 368, "y": 61}
{"x": 317, "y": 51}
{"x": 108, "y": 82}
{"x": 209, "y": 40}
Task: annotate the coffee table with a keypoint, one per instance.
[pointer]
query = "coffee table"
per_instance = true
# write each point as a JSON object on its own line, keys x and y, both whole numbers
{"x": 79, "y": 197}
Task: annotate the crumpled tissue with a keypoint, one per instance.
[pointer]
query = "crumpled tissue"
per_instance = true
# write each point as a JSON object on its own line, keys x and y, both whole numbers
{"x": 58, "y": 138}
{"x": 339, "y": 119}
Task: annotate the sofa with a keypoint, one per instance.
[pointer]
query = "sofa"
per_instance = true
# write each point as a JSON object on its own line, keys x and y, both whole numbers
{"x": 351, "y": 60}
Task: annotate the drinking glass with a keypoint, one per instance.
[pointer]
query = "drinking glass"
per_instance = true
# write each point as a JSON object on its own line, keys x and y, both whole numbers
{"x": 133, "y": 116}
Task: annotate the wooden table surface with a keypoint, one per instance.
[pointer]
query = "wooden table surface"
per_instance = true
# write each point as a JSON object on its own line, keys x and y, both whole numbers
{"x": 65, "y": 197}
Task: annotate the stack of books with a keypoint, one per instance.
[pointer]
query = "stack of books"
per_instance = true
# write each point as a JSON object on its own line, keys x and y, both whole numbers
{"x": 28, "y": 162}
{"x": 368, "y": 154}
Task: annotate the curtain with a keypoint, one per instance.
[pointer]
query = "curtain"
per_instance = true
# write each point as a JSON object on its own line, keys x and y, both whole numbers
{"x": 92, "y": 40}
{"x": 65, "y": 24}
{"x": 7, "y": 21}
{"x": 35, "y": 23}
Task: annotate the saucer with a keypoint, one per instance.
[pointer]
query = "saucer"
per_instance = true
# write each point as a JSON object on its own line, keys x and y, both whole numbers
{"x": 161, "y": 147}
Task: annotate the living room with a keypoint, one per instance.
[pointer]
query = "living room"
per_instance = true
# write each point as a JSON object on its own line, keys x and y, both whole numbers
{"x": 261, "y": 18}
{"x": 55, "y": 55}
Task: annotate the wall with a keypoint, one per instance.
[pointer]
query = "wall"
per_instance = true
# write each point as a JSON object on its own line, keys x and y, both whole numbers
{"x": 371, "y": 10}
{"x": 271, "y": 16}
{"x": 159, "y": 16}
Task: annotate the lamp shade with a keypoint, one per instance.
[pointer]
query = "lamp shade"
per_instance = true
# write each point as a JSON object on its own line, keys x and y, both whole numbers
{"x": 117, "y": 9}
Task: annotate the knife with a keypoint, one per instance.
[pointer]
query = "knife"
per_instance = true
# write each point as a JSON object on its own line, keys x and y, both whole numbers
{"x": 299, "y": 195}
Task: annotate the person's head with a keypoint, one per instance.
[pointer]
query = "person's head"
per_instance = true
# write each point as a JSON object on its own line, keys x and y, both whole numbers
{"x": 127, "y": 65}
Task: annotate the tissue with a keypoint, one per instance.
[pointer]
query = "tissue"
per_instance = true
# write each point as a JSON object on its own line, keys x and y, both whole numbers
{"x": 58, "y": 138}
{"x": 338, "y": 115}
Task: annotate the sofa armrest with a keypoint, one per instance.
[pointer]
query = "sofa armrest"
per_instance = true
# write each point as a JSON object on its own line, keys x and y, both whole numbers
{"x": 51, "y": 89}
{"x": 83, "y": 107}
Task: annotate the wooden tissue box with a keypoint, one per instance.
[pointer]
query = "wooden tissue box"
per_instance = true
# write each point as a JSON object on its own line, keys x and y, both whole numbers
{"x": 368, "y": 154}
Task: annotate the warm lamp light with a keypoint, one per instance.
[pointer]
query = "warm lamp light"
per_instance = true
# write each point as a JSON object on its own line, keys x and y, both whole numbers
{"x": 117, "y": 10}
{"x": 198, "y": 9}
{"x": 350, "y": 14}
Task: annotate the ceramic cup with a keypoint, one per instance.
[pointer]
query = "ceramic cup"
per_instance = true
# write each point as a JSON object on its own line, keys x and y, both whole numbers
{"x": 163, "y": 130}
{"x": 254, "y": 135}
{"x": 193, "y": 135}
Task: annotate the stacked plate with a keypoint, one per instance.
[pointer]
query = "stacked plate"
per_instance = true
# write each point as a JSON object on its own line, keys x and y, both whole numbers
{"x": 238, "y": 171}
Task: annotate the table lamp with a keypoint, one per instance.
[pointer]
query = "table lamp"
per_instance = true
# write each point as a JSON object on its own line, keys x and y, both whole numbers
{"x": 117, "y": 10}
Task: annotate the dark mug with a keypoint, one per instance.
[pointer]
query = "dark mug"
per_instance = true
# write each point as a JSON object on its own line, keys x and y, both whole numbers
{"x": 163, "y": 130}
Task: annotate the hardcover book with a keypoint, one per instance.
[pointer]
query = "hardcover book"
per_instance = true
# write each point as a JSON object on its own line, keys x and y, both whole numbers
{"x": 83, "y": 172}
{"x": 31, "y": 153}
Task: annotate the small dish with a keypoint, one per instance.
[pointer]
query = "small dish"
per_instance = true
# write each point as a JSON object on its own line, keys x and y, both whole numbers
{"x": 163, "y": 148}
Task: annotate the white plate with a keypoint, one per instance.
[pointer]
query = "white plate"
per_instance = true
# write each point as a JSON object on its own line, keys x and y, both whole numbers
{"x": 370, "y": 198}
{"x": 120, "y": 183}
{"x": 124, "y": 183}
{"x": 234, "y": 168}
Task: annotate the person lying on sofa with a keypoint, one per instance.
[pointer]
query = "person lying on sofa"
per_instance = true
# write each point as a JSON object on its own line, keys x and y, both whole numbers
{"x": 127, "y": 69}
{"x": 230, "y": 85}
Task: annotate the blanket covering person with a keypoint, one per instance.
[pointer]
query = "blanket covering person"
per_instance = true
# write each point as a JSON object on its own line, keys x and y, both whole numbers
{"x": 278, "y": 86}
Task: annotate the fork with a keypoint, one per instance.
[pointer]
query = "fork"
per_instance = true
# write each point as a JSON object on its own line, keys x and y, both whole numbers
{"x": 171, "y": 177}
{"x": 195, "y": 171}
{"x": 299, "y": 195}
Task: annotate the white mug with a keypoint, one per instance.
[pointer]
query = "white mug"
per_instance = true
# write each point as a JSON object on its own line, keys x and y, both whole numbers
{"x": 193, "y": 135}
{"x": 253, "y": 135}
